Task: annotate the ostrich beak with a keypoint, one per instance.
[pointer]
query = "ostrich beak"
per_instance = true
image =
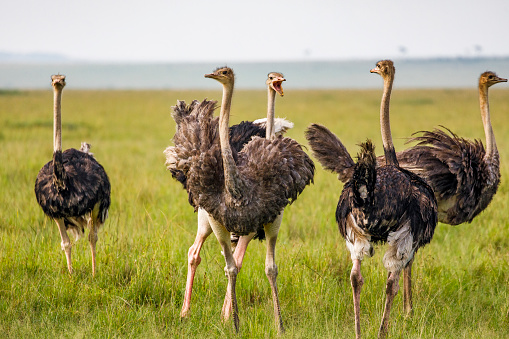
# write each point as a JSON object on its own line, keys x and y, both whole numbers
{"x": 502, "y": 80}
{"x": 375, "y": 70}
{"x": 277, "y": 85}
{"x": 210, "y": 75}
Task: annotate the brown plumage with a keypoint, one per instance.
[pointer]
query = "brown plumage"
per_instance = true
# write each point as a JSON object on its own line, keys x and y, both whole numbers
{"x": 239, "y": 135}
{"x": 73, "y": 188}
{"x": 240, "y": 192}
{"x": 379, "y": 204}
{"x": 463, "y": 175}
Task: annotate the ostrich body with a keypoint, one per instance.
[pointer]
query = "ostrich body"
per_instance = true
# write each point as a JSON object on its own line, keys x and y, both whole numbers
{"x": 463, "y": 175}
{"x": 274, "y": 85}
{"x": 384, "y": 204}
{"x": 239, "y": 135}
{"x": 237, "y": 192}
{"x": 73, "y": 188}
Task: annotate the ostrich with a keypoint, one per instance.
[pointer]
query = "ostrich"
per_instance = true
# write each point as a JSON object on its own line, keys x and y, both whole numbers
{"x": 385, "y": 204}
{"x": 73, "y": 188}
{"x": 463, "y": 175}
{"x": 240, "y": 135}
{"x": 241, "y": 192}
{"x": 274, "y": 85}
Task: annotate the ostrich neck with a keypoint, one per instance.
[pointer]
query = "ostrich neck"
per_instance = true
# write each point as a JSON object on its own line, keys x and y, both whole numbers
{"x": 491, "y": 146}
{"x": 385, "y": 124}
{"x": 59, "y": 176}
{"x": 271, "y": 107}
{"x": 57, "y": 120}
{"x": 231, "y": 176}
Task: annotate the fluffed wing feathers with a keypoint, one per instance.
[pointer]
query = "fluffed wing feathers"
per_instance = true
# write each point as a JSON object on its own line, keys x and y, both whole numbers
{"x": 457, "y": 171}
{"x": 181, "y": 110}
{"x": 330, "y": 152}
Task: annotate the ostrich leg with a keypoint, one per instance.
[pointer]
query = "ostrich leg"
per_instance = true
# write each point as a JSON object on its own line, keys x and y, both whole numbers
{"x": 238, "y": 255}
{"x": 223, "y": 236}
{"x": 391, "y": 291}
{"x": 92, "y": 238}
{"x": 407, "y": 287}
{"x": 66, "y": 243}
{"x": 193, "y": 258}
{"x": 357, "y": 281}
{"x": 271, "y": 231}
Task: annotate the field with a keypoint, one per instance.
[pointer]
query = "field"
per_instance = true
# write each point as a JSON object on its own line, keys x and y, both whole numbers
{"x": 461, "y": 280}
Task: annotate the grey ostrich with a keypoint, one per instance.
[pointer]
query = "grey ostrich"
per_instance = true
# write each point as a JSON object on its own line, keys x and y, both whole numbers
{"x": 463, "y": 175}
{"x": 241, "y": 192}
{"x": 384, "y": 204}
{"x": 73, "y": 188}
{"x": 240, "y": 135}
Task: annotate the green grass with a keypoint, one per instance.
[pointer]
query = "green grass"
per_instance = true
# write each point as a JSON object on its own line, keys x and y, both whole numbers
{"x": 461, "y": 280}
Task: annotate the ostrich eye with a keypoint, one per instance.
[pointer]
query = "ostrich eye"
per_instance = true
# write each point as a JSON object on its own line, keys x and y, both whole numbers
{"x": 490, "y": 77}
{"x": 271, "y": 78}
{"x": 225, "y": 72}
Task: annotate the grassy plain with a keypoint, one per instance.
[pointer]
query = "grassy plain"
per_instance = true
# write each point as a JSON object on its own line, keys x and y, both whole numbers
{"x": 461, "y": 280}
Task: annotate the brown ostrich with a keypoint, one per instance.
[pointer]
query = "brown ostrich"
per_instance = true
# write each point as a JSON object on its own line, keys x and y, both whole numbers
{"x": 241, "y": 192}
{"x": 240, "y": 135}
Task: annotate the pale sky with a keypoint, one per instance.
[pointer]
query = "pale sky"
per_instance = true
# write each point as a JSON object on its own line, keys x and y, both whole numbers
{"x": 264, "y": 30}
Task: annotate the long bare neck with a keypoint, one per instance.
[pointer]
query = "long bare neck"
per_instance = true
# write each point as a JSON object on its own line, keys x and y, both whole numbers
{"x": 59, "y": 175}
{"x": 231, "y": 176}
{"x": 270, "y": 131}
{"x": 57, "y": 119}
{"x": 385, "y": 124}
{"x": 491, "y": 145}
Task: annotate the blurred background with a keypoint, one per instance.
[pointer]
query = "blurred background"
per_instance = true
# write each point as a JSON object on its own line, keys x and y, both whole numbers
{"x": 156, "y": 44}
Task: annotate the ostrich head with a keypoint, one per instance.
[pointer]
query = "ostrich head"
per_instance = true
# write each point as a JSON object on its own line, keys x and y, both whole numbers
{"x": 224, "y": 75}
{"x": 488, "y": 79}
{"x": 384, "y": 68}
{"x": 58, "y": 81}
{"x": 275, "y": 81}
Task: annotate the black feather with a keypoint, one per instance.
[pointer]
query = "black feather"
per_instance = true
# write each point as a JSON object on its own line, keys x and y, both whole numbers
{"x": 72, "y": 185}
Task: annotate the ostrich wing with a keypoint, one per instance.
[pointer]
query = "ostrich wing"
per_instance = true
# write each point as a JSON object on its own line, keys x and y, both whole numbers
{"x": 454, "y": 167}
{"x": 274, "y": 173}
{"x": 399, "y": 198}
{"x": 330, "y": 152}
{"x": 190, "y": 121}
{"x": 86, "y": 185}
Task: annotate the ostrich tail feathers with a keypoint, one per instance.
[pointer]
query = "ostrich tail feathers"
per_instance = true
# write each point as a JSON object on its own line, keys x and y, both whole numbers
{"x": 85, "y": 148}
{"x": 281, "y": 125}
{"x": 330, "y": 151}
{"x": 364, "y": 175}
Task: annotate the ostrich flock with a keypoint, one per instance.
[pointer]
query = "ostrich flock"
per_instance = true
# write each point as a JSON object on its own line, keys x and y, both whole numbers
{"x": 240, "y": 178}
